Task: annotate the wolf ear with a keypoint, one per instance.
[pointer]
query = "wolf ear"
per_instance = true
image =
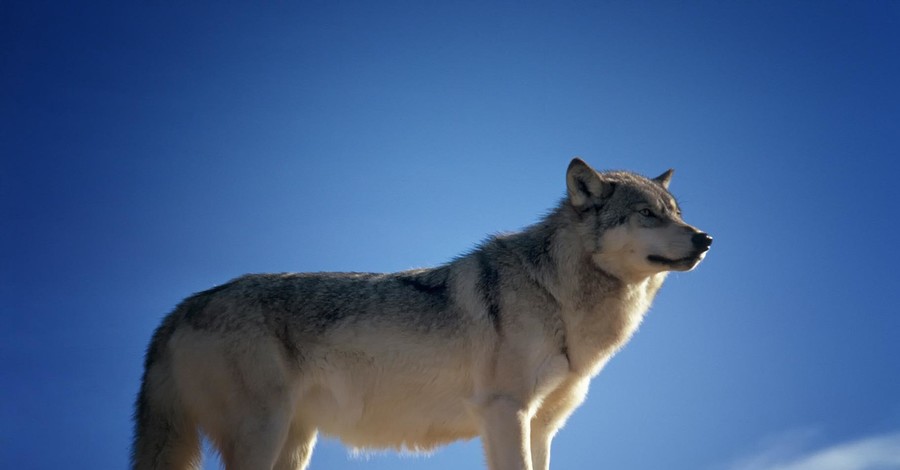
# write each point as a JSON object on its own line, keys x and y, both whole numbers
{"x": 665, "y": 178}
{"x": 584, "y": 184}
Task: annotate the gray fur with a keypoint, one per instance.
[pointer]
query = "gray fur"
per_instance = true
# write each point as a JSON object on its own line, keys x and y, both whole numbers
{"x": 414, "y": 359}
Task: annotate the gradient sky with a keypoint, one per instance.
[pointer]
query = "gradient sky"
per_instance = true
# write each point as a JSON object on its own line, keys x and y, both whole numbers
{"x": 149, "y": 150}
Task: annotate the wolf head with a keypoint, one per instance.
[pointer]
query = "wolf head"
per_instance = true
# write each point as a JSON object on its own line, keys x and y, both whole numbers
{"x": 632, "y": 225}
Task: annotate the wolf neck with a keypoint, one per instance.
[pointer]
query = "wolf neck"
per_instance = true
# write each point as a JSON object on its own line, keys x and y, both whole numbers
{"x": 602, "y": 318}
{"x": 600, "y": 312}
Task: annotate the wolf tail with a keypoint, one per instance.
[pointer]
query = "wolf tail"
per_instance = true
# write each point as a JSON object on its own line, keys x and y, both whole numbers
{"x": 164, "y": 436}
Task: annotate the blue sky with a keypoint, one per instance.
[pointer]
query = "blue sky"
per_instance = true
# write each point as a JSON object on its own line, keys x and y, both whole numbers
{"x": 152, "y": 150}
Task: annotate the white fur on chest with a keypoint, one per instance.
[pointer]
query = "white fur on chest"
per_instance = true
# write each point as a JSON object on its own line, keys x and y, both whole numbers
{"x": 596, "y": 332}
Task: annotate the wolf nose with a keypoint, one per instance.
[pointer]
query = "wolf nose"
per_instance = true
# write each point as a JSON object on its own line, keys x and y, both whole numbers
{"x": 701, "y": 240}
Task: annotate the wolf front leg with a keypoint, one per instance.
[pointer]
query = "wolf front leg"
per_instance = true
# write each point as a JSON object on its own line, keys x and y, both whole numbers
{"x": 540, "y": 449}
{"x": 551, "y": 416}
{"x": 506, "y": 434}
{"x": 542, "y": 432}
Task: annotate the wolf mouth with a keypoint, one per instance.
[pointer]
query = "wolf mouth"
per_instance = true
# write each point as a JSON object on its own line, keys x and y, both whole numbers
{"x": 687, "y": 260}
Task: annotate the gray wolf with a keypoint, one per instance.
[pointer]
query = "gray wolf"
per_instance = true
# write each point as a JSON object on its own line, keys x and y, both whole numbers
{"x": 499, "y": 343}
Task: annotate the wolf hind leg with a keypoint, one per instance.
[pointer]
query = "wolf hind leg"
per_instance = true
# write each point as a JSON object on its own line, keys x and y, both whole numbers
{"x": 297, "y": 449}
{"x": 260, "y": 408}
{"x": 164, "y": 437}
{"x": 256, "y": 443}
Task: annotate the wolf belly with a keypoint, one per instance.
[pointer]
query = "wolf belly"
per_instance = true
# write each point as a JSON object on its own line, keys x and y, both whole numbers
{"x": 406, "y": 404}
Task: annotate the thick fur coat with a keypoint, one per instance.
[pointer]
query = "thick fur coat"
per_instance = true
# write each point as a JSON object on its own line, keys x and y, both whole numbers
{"x": 500, "y": 343}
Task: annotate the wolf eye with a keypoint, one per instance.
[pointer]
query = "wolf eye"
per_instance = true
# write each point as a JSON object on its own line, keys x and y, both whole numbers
{"x": 646, "y": 213}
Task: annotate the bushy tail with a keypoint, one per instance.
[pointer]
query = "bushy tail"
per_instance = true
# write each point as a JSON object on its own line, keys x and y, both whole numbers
{"x": 164, "y": 437}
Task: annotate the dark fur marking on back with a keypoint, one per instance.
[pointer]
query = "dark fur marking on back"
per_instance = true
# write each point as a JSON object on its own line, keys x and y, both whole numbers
{"x": 424, "y": 286}
{"x": 487, "y": 286}
{"x": 195, "y": 305}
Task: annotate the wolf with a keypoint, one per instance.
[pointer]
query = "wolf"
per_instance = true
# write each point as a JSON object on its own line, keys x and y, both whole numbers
{"x": 500, "y": 343}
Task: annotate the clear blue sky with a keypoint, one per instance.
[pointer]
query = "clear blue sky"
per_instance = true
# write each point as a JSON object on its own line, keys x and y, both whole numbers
{"x": 149, "y": 150}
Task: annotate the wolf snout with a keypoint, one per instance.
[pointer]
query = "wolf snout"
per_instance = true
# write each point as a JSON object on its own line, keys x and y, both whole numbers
{"x": 702, "y": 241}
